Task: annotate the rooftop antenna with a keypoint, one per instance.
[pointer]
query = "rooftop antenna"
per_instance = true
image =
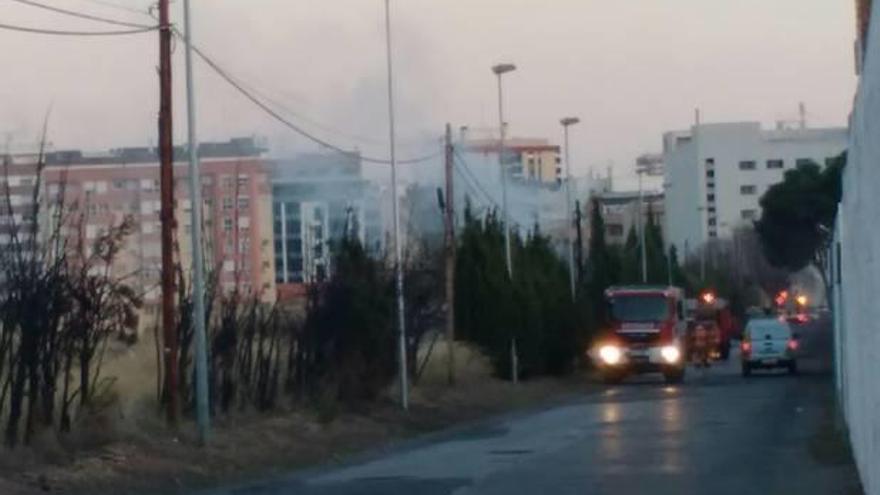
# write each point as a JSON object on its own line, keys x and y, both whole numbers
{"x": 802, "y": 109}
{"x": 696, "y": 116}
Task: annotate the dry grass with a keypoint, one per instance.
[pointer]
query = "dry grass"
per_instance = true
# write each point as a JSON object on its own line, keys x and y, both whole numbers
{"x": 127, "y": 449}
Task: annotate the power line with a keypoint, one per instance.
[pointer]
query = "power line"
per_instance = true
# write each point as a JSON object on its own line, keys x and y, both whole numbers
{"x": 475, "y": 187}
{"x": 58, "y": 32}
{"x": 463, "y": 167}
{"x": 296, "y": 128}
{"x": 474, "y": 192}
{"x": 80, "y": 15}
{"x": 318, "y": 125}
{"x": 117, "y": 6}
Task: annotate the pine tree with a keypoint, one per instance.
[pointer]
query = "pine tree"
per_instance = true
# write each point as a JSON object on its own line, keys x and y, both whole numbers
{"x": 603, "y": 266}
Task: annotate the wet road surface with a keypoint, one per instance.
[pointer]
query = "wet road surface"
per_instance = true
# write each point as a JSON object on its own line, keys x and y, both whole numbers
{"x": 717, "y": 433}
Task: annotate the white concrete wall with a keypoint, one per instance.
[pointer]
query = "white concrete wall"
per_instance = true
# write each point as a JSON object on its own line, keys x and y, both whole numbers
{"x": 857, "y": 314}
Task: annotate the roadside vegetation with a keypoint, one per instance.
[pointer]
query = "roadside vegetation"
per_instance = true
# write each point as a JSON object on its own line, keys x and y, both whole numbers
{"x": 64, "y": 309}
{"x": 798, "y": 216}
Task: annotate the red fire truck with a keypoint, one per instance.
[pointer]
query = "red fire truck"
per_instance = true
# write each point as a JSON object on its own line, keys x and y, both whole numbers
{"x": 713, "y": 314}
{"x": 646, "y": 333}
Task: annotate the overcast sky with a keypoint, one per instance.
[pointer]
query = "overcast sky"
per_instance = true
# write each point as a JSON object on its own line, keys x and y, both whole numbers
{"x": 630, "y": 69}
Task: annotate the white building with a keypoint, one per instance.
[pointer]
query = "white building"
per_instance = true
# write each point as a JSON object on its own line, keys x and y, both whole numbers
{"x": 715, "y": 174}
{"x": 620, "y": 212}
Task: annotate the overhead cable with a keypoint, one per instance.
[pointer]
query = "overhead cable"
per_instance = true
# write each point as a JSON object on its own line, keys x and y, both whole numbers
{"x": 296, "y": 128}
{"x": 59, "y": 32}
{"x": 81, "y": 15}
{"x": 117, "y": 6}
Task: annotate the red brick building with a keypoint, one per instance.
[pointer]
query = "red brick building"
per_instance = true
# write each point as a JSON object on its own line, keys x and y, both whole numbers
{"x": 100, "y": 190}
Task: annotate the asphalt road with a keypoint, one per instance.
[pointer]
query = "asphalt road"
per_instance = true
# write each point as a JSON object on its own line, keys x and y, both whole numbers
{"x": 717, "y": 433}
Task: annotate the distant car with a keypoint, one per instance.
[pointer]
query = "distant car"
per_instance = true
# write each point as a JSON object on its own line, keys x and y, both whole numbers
{"x": 798, "y": 319}
{"x": 769, "y": 343}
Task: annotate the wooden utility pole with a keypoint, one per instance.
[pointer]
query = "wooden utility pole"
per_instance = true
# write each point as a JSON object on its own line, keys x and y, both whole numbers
{"x": 449, "y": 238}
{"x": 166, "y": 185}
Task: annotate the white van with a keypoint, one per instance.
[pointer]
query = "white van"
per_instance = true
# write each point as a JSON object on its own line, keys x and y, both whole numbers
{"x": 769, "y": 343}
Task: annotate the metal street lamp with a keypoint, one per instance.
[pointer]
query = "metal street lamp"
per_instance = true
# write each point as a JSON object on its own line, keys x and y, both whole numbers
{"x": 499, "y": 70}
{"x": 640, "y": 216}
{"x": 398, "y": 269}
{"x": 566, "y": 122}
{"x": 198, "y": 267}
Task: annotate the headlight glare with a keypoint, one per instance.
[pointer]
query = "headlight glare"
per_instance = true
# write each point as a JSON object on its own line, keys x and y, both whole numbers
{"x": 610, "y": 354}
{"x": 670, "y": 354}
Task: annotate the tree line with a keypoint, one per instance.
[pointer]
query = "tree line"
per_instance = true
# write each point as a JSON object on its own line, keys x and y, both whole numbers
{"x": 62, "y": 305}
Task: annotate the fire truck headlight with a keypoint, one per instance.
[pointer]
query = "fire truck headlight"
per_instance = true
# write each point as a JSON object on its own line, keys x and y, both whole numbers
{"x": 610, "y": 354}
{"x": 670, "y": 354}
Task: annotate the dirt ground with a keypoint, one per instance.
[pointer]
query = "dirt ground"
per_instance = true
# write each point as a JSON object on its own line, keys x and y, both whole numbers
{"x": 136, "y": 454}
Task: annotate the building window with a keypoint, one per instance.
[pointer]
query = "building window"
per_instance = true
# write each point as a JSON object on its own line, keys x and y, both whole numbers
{"x": 713, "y": 221}
{"x": 710, "y": 162}
{"x": 710, "y": 174}
{"x": 558, "y": 159}
{"x": 800, "y": 162}
{"x": 748, "y": 214}
{"x": 243, "y": 203}
{"x": 775, "y": 164}
{"x": 243, "y": 181}
{"x": 710, "y": 198}
{"x": 711, "y": 210}
{"x": 710, "y": 184}
{"x": 149, "y": 185}
{"x": 747, "y": 165}
{"x": 713, "y": 234}
{"x": 748, "y": 190}
{"x": 227, "y": 224}
{"x": 227, "y": 203}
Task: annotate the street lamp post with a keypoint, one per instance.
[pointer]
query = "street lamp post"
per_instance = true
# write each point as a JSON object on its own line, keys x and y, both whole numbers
{"x": 703, "y": 246}
{"x": 566, "y": 122}
{"x": 641, "y": 220}
{"x": 398, "y": 269}
{"x": 198, "y": 264}
{"x": 499, "y": 71}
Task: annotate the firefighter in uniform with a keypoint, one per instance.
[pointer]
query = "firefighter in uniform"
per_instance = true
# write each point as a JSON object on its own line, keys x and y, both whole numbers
{"x": 701, "y": 346}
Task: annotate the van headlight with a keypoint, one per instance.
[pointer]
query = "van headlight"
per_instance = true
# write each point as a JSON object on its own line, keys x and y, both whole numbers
{"x": 671, "y": 354}
{"x": 610, "y": 354}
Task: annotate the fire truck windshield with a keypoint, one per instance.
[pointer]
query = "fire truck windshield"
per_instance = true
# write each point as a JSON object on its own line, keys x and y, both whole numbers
{"x": 639, "y": 308}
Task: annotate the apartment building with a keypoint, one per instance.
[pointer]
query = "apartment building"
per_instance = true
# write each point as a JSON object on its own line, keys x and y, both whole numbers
{"x": 533, "y": 160}
{"x": 317, "y": 199}
{"x": 99, "y": 190}
{"x": 715, "y": 174}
